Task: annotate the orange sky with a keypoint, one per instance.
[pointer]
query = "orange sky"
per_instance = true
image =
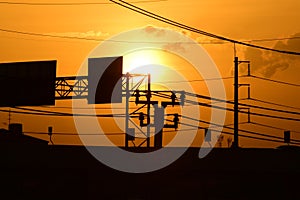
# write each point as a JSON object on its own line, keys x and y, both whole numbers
{"x": 240, "y": 20}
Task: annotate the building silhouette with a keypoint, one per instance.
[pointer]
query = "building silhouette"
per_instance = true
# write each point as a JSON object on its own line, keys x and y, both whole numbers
{"x": 30, "y": 168}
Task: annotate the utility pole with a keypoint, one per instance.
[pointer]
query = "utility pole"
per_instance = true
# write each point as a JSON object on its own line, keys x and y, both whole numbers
{"x": 236, "y": 99}
{"x": 236, "y": 103}
{"x": 148, "y": 110}
{"x": 127, "y": 76}
{"x": 158, "y": 117}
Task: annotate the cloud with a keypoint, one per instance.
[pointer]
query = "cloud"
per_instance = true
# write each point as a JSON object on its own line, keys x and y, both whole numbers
{"x": 269, "y": 63}
{"x": 156, "y": 31}
{"x": 88, "y": 34}
{"x": 291, "y": 44}
{"x": 172, "y": 43}
{"x": 177, "y": 47}
{"x": 185, "y": 32}
{"x": 206, "y": 40}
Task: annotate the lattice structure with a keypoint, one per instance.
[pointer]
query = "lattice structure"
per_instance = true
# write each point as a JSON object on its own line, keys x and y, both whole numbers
{"x": 137, "y": 86}
{"x": 71, "y": 87}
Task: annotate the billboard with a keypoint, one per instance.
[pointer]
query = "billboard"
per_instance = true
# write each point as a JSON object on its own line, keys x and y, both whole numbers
{"x": 27, "y": 83}
{"x": 105, "y": 80}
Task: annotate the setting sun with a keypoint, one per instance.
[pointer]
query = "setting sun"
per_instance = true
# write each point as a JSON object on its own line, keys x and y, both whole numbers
{"x": 145, "y": 61}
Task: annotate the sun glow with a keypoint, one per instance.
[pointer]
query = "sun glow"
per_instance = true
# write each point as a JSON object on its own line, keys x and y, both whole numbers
{"x": 164, "y": 68}
{"x": 145, "y": 62}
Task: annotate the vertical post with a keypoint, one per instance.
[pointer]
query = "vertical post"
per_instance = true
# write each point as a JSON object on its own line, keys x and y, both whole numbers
{"x": 50, "y": 134}
{"x": 9, "y": 117}
{"x": 287, "y": 137}
{"x": 159, "y": 114}
{"x": 148, "y": 110}
{"x": 157, "y": 121}
{"x": 249, "y": 74}
{"x": 127, "y": 109}
{"x": 236, "y": 103}
{"x": 249, "y": 119}
{"x": 249, "y": 92}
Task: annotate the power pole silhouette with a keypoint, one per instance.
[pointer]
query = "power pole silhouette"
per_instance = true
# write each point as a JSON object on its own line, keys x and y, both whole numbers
{"x": 236, "y": 103}
{"x": 148, "y": 109}
{"x": 127, "y": 77}
{"x": 235, "y": 143}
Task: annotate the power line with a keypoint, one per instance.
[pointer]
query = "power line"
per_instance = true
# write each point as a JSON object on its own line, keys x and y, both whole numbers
{"x": 258, "y": 138}
{"x": 51, "y": 113}
{"x": 91, "y": 39}
{"x": 269, "y": 109}
{"x": 53, "y": 36}
{"x": 272, "y": 103}
{"x": 273, "y": 127}
{"x": 32, "y": 39}
{"x": 146, "y": 1}
{"x": 242, "y": 135}
{"x": 240, "y": 111}
{"x": 71, "y": 114}
{"x": 253, "y": 137}
{"x": 72, "y": 134}
{"x": 264, "y": 40}
{"x": 198, "y": 80}
{"x": 275, "y": 81}
{"x": 87, "y": 108}
{"x": 58, "y": 114}
{"x": 179, "y": 25}
{"x": 98, "y": 40}
{"x": 84, "y": 38}
{"x": 28, "y": 113}
{"x": 118, "y": 134}
{"x": 270, "y": 116}
{"x": 241, "y": 130}
{"x": 272, "y": 39}
{"x": 70, "y": 3}
{"x": 262, "y": 134}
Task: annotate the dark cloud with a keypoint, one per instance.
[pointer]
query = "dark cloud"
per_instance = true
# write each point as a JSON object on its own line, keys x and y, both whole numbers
{"x": 268, "y": 63}
{"x": 291, "y": 44}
